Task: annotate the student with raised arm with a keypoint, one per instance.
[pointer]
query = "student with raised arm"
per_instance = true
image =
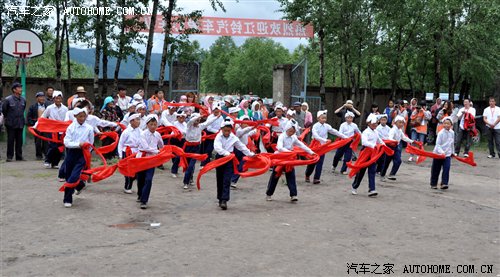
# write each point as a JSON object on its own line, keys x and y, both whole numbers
{"x": 286, "y": 142}
{"x": 320, "y": 131}
{"x": 369, "y": 138}
{"x": 149, "y": 145}
{"x": 224, "y": 144}
{"x": 194, "y": 131}
{"x": 396, "y": 133}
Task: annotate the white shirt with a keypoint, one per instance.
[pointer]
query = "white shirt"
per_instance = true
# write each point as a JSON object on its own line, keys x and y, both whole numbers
{"x": 282, "y": 122}
{"x": 129, "y": 138}
{"x": 168, "y": 119}
{"x": 123, "y": 102}
{"x": 125, "y": 119}
{"x": 143, "y": 125}
{"x": 491, "y": 115}
{"x": 95, "y": 122}
{"x": 348, "y": 129}
{"x": 320, "y": 132}
{"x": 76, "y": 134}
{"x": 244, "y": 133}
{"x": 370, "y": 138}
{"x": 225, "y": 145}
{"x": 56, "y": 113}
{"x": 286, "y": 144}
{"x": 397, "y": 134}
{"x": 181, "y": 127}
{"x": 215, "y": 126}
{"x": 445, "y": 142}
{"x": 193, "y": 134}
{"x": 461, "y": 112}
{"x": 150, "y": 143}
{"x": 383, "y": 131}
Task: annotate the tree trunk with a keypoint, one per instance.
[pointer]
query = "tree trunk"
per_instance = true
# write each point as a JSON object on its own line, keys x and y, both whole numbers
{"x": 167, "y": 17}
{"x": 149, "y": 46}
{"x": 395, "y": 66}
{"x": 464, "y": 91}
{"x": 119, "y": 58}
{"x": 410, "y": 82}
{"x": 1, "y": 59}
{"x": 344, "y": 93}
{"x": 362, "y": 121}
{"x": 97, "y": 52}
{"x": 105, "y": 53}
{"x": 58, "y": 46}
{"x": 437, "y": 64}
{"x": 321, "y": 35}
{"x": 68, "y": 57}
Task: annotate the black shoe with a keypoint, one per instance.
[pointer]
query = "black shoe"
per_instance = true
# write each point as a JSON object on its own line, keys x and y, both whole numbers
{"x": 144, "y": 206}
{"x": 223, "y": 205}
{"x": 444, "y": 186}
{"x": 8, "y": 160}
{"x": 434, "y": 187}
{"x": 138, "y": 200}
{"x": 21, "y": 160}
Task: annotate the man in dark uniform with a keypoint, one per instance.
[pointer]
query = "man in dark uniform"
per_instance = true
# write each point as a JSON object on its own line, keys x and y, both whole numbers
{"x": 13, "y": 110}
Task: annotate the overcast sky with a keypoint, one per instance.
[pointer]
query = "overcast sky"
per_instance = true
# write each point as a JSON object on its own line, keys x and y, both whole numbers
{"x": 258, "y": 9}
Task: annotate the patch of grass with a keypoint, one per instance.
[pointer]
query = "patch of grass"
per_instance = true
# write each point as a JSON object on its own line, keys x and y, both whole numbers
{"x": 15, "y": 173}
{"x": 44, "y": 175}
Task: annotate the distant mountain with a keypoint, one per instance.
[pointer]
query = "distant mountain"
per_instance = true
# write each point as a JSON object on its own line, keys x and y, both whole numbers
{"x": 129, "y": 69}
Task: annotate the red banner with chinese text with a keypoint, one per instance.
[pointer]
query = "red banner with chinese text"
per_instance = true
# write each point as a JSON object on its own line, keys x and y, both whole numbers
{"x": 220, "y": 26}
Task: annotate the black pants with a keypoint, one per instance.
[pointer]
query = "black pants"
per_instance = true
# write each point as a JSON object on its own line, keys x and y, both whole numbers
{"x": 14, "y": 141}
{"x": 463, "y": 135}
{"x": 40, "y": 147}
{"x": 494, "y": 139}
{"x": 223, "y": 174}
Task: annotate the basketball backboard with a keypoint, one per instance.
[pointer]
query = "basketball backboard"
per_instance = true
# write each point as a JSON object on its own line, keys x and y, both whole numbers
{"x": 22, "y": 43}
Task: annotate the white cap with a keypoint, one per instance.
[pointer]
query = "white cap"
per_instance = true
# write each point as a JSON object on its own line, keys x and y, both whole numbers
{"x": 448, "y": 118}
{"x": 133, "y": 103}
{"x": 227, "y": 122}
{"x": 244, "y": 117}
{"x": 349, "y": 102}
{"x": 290, "y": 124}
{"x": 150, "y": 117}
{"x": 279, "y": 106}
{"x": 372, "y": 118}
{"x": 76, "y": 100}
{"x": 137, "y": 97}
{"x": 320, "y": 113}
{"x": 57, "y": 93}
{"x": 347, "y": 114}
{"x": 195, "y": 115}
{"x": 77, "y": 111}
{"x": 399, "y": 118}
{"x": 134, "y": 116}
{"x": 216, "y": 105}
{"x": 234, "y": 109}
{"x": 290, "y": 112}
{"x": 405, "y": 102}
{"x": 180, "y": 113}
{"x": 382, "y": 115}
{"x": 140, "y": 106}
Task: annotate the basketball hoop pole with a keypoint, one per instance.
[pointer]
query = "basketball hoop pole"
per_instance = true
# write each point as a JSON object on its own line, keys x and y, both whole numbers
{"x": 22, "y": 60}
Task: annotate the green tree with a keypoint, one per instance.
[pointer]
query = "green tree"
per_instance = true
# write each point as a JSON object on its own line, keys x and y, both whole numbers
{"x": 215, "y": 65}
{"x": 251, "y": 67}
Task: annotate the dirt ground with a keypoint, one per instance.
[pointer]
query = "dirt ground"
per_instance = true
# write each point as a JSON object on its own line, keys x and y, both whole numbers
{"x": 324, "y": 233}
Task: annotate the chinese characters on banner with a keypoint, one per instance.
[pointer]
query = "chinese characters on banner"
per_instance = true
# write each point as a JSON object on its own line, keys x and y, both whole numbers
{"x": 220, "y": 26}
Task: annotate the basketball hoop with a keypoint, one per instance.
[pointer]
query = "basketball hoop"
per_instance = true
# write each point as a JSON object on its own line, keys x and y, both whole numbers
{"x": 22, "y": 43}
